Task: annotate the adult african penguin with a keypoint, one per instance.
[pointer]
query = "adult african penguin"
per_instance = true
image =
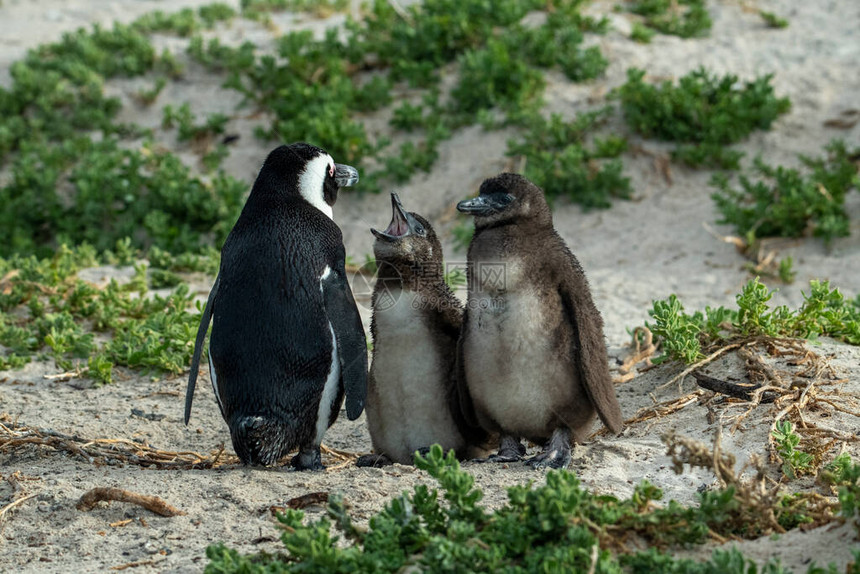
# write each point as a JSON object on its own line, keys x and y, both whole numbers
{"x": 412, "y": 399}
{"x": 532, "y": 357}
{"x": 287, "y": 342}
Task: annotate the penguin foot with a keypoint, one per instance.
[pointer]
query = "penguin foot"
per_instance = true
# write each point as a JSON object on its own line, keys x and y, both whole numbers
{"x": 510, "y": 450}
{"x": 556, "y": 454}
{"x": 373, "y": 461}
{"x": 549, "y": 459}
{"x": 307, "y": 459}
{"x": 502, "y": 457}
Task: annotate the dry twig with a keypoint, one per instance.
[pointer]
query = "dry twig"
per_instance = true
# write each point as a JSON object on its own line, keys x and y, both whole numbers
{"x": 642, "y": 351}
{"x": 736, "y": 390}
{"x": 152, "y": 503}
{"x": 15, "y": 503}
{"x": 123, "y": 451}
{"x": 710, "y": 358}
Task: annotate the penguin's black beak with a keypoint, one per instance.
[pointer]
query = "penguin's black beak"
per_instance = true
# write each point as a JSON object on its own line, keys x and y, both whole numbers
{"x": 402, "y": 223}
{"x": 485, "y": 205}
{"x": 345, "y": 175}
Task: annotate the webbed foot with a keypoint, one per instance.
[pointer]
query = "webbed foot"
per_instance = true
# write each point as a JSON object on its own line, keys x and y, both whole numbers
{"x": 373, "y": 461}
{"x": 556, "y": 454}
{"x": 308, "y": 459}
{"x": 510, "y": 450}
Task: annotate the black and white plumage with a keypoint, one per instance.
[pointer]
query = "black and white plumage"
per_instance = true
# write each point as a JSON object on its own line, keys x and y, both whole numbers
{"x": 287, "y": 342}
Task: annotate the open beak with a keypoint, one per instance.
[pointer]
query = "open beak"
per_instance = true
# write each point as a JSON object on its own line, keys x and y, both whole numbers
{"x": 485, "y": 205}
{"x": 402, "y": 223}
{"x": 345, "y": 175}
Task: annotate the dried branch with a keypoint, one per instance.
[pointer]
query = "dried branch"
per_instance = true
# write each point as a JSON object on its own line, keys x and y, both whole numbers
{"x": 695, "y": 366}
{"x": 152, "y": 503}
{"x": 737, "y": 390}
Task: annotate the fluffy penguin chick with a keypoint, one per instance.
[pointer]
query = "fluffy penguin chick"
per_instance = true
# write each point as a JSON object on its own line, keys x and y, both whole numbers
{"x": 287, "y": 341}
{"x": 411, "y": 399}
{"x": 531, "y": 354}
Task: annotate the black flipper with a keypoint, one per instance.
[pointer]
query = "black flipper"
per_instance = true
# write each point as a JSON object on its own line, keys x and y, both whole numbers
{"x": 349, "y": 334}
{"x": 198, "y": 348}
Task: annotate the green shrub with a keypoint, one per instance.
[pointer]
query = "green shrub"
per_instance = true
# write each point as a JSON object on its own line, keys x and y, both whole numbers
{"x": 772, "y": 20}
{"x": 561, "y": 161}
{"x": 433, "y": 33}
{"x": 824, "y": 312}
{"x": 555, "y": 527}
{"x": 703, "y": 113}
{"x": 259, "y": 9}
{"x": 146, "y": 194}
{"x": 794, "y": 462}
{"x": 789, "y": 203}
{"x": 497, "y": 76}
{"x": 150, "y": 333}
{"x": 684, "y": 18}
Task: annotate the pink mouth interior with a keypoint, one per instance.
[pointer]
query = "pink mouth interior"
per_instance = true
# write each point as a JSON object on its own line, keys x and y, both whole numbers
{"x": 398, "y": 226}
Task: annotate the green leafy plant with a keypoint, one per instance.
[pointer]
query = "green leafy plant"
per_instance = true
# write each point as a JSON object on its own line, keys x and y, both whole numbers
{"x": 560, "y": 161}
{"x": 184, "y": 22}
{"x": 558, "y": 527}
{"x": 703, "y": 114}
{"x": 260, "y": 9}
{"x": 824, "y": 312}
{"x": 147, "y": 97}
{"x": 641, "y": 33}
{"x": 838, "y": 471}
{"x": 680, "y": 332}
{"x": 316, "y": 87}
{"x": 188, "y": 130}
{"x": 145, "y": 193}
{"x": 849, "y": 494}
{"x": 794, "y": 462}
{"x": 425, "y": 36}
{"x": 684, "y": 18}
{"x": 789, "y": 203}
{"x": 786, "y": 270}
{"x": 455, "y": 278}
{"x": 497, "y": 75}
{"x": 772, "y": 20}
{"x": 138, "y": 330}
{"x": 57, "y": 89}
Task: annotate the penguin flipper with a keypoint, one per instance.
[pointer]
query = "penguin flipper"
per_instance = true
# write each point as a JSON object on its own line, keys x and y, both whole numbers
{"x": 589, "y": 347}
{"x": 349, "y": 333}
{"x": 198, "y": 348}
{"x": 464, "y": 406}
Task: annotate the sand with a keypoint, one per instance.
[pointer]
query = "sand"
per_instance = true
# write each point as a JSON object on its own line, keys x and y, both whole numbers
{"x": 633, "y": 253}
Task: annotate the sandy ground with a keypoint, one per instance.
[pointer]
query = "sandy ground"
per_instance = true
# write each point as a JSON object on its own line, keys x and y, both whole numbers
{"x": 635, "y": 252}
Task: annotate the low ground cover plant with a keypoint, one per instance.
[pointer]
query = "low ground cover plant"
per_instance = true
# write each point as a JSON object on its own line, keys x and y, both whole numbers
{"x": 790, "y": 202}
{"x": 557, "y": 526}
{"x": 825, "y": 312}
{"x": 703, "y": 114}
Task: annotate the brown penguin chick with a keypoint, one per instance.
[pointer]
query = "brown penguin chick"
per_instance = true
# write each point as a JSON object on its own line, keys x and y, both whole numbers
{"x": 531, "y": 355}
{"x": 412, "y": 400}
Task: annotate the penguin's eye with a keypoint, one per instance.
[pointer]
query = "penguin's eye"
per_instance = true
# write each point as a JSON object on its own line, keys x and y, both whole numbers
{"x": 419, "y": 229}
{"x": 331, "y": 170}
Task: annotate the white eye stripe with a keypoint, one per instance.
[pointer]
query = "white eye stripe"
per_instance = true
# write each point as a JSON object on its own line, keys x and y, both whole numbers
{"x": 311, "y": 182}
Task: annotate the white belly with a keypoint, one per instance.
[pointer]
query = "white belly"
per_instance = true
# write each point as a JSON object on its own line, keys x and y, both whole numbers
{"x": 329, "y": 394}
{"x": 407, "y": 407}
{"x": 514, "y": 374}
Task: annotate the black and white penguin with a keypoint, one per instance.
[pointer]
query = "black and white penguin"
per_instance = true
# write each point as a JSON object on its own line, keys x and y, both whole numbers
{"x": 532, "y": 355}
{"x": 412, "y": 399}
{"x": 287, "y": 341}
